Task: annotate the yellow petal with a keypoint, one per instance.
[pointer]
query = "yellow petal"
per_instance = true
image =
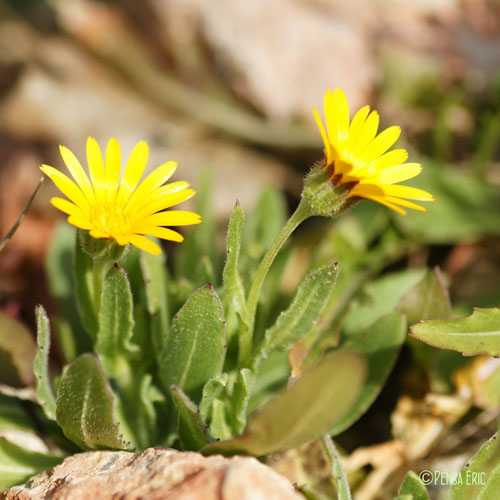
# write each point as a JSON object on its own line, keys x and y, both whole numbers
{"x": 133, "y": 171}
{"x": 173, "y": 187}
{"x": 157, "y": 194}
{"x": 160, "y": 232}
{"x": 166, "y": 202}
{"x": 341, "y": 113}
{"x": 379, "y": 199}
{"x": 408, "y": 192}
{"x": 331, "y": 126}
{"x": 77, "y": 172}
{"x": 144, "y": 243}
{"x": 67, "y": 187}
{"x": 95, "y": 163}
{"x": 81, "y": 222}
{"x": 98, "y": 234}
{"x": 405, "y": 203}
{"x": 171, "y": 218}
{"x": 366, "y": 135}
{"x": 67, "y": 207}
{"x": 355, "y": 129}
{"x": 113, "y": 165}
{"x": 383, "y": 201}
{"x": 326, "y": 142}
{"x": 121, "y": 240}
{"x": 155, "y": 179}
{"x": 380, "y": 144}
{"x": 397, "y": 173}
{"x": 389, "y": 159}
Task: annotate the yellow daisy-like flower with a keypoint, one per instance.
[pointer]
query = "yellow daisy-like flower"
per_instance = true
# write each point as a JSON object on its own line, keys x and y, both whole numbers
{"x": 122, "y": 210}
{"x": 358, "y": 156}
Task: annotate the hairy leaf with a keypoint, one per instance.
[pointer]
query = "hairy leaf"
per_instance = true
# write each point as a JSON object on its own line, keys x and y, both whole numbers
{"x": 303, "y": 411}
{"x": 84, "y": 406}
{"x": 478, "y": 333}
{"x": 233, "y": 287}
{"x": 192, "y": 431}
{"x": 302, "y": 314}
{"x": 44, "y": 393}
{"x": 116, "y": 322}
{"x": 239, "y": 399}
{"x": 211, "y": 390}
{"x": 195, "y": 347}
{"x": 156, "y": 279}
{"x": 480, "y": 478}
{"x": 427, "y": 300}
{"x": 412, "y": 485}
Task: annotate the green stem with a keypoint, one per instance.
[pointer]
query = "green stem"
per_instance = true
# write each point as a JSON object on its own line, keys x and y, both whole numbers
{"x": 338, "y": 472}
{"x": 246, "y": 335}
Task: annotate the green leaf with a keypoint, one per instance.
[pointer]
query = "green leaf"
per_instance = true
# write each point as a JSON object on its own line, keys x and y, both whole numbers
{"x": 211, "y": 390}
{"x": 476, "y": 334}
{"x": 116, "y": 322}
{"x": 17, "y": 351}
{"x": 44, "y": 393}
{"x": 196, "y": 345}
{"x": 380, "y": 297}
{"x": 480, "y": 478}
{"x": 303, "y": 411}
{"x": 413, "y": 486}
{"x": 233, "y": 287}
{"x": 303, "y": 313}
{"x": 84, "y": 406}
{"x": 13, "y": 415}
{"x": 150, "y": 394}
{"x": 192, "y": 432}
{"x": 17, "y": 464}
{"x": 270, "y": 377}
{"x": 67, "y": 339}
{"x": 156, "y": 280}
{"x": 59, "y": 268}
{"x": 219, "y": 427}
{"x": 84, "y": 289}
{"x": 379, "y": 345}
{"x": 338, "y": 472}
{"x": 427, "y": 300}
{"x": 239, "y": 400}
{"x": 145, "y": 414}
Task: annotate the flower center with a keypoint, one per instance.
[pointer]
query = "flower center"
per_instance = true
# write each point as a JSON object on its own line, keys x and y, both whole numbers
{"x": 108, "y": 218}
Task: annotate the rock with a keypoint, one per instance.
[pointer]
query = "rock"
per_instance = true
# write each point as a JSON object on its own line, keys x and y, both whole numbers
{"x": 157, "y": 473}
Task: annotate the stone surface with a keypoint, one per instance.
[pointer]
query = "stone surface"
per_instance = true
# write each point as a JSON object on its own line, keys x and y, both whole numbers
{"x": 157, "y": 473}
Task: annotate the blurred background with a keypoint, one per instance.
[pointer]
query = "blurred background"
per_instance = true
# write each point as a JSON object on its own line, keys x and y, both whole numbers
{"x": 227, "y": 86}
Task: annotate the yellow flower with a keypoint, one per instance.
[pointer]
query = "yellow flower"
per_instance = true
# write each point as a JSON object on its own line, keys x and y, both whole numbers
{"x": 123, "y": 210}
{"x": 359, "y": 157}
